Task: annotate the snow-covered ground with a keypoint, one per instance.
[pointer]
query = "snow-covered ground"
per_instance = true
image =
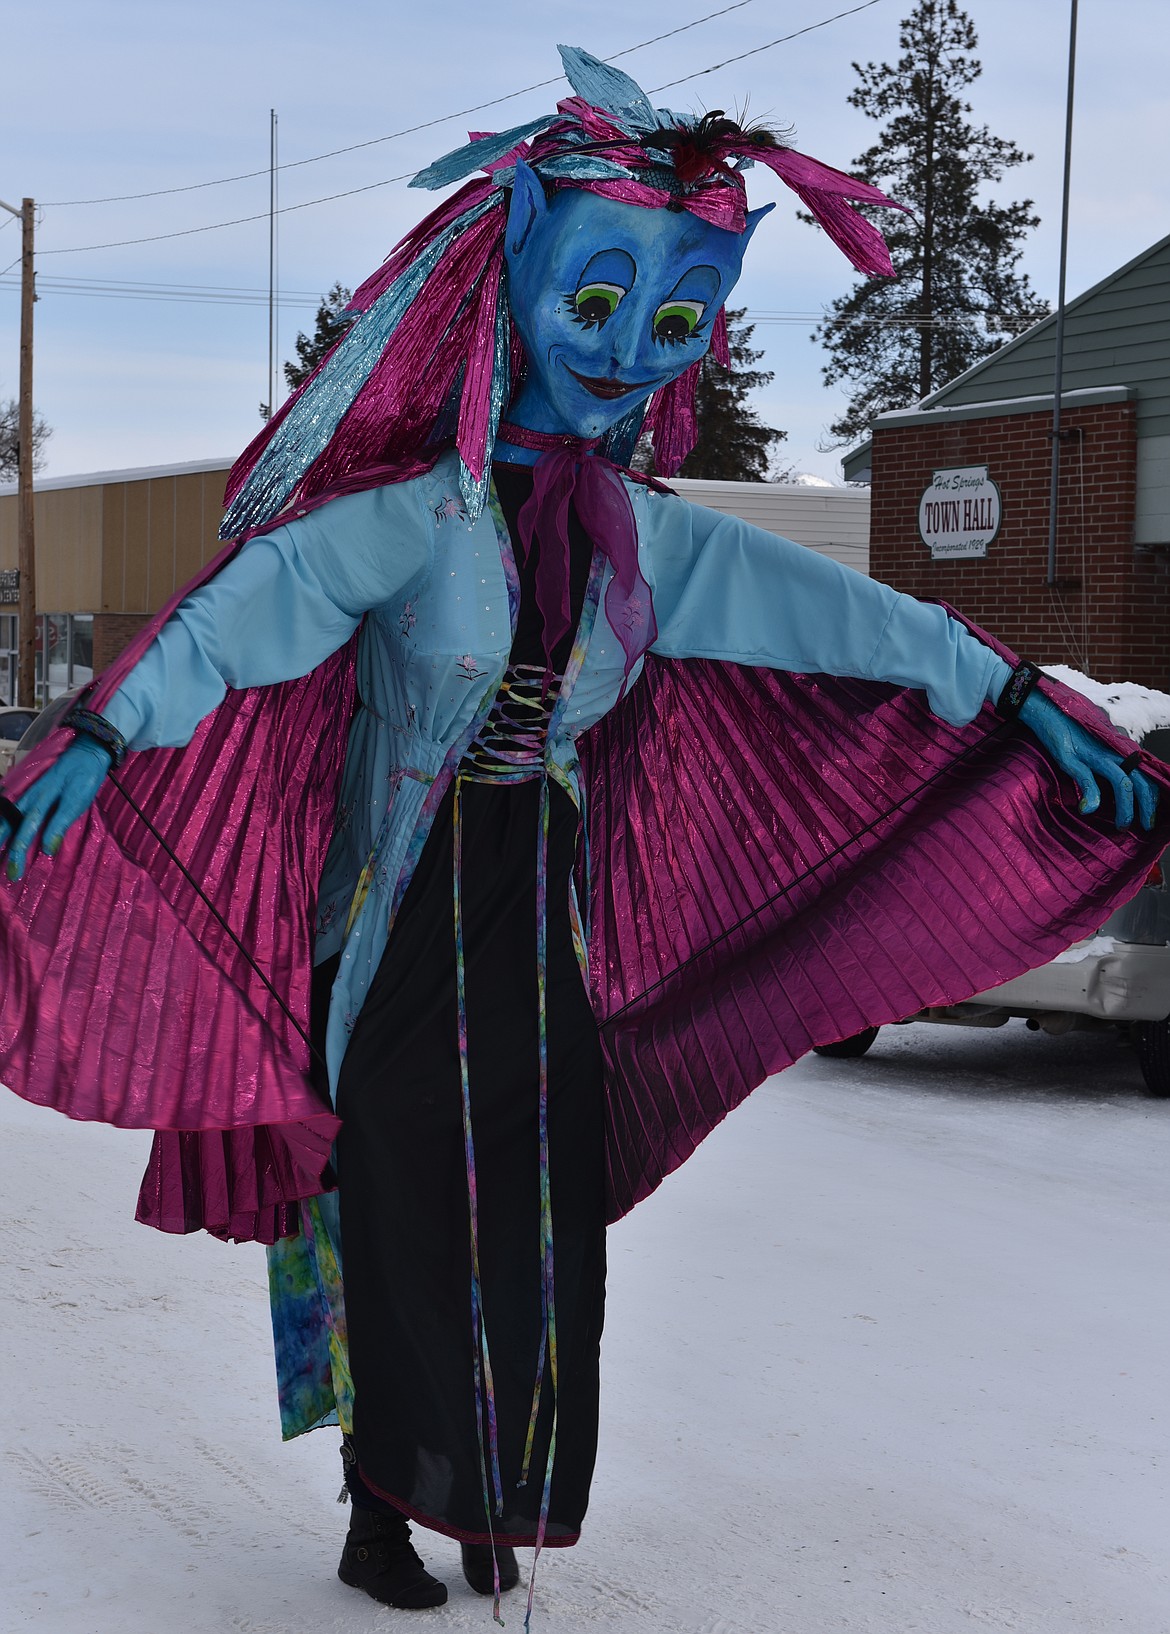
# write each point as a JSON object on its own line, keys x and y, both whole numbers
{"x": 891, "y": 1354}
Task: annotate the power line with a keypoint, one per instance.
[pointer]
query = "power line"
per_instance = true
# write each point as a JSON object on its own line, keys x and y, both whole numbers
{"x": 54, "y": 279}
{"x": 409, "y": 130}
{"x": 238, "y": 221}
{"x": 937, "y": 325}
{"x": 993, "y": 320}
{"x": 193, "y": 294}
{"x": 328, "y": 198}
{"x": 309, "y": 300}
{"x": 755, "y": 51}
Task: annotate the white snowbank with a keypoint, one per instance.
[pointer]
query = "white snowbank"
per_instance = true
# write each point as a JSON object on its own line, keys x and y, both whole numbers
{"x": 1132, "y": 708}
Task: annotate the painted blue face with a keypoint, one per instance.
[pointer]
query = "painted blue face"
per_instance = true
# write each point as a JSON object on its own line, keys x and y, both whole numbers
{"x": 611, "y": 300}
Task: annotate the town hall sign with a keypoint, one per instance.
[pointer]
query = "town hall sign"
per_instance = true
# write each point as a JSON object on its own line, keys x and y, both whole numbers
{"x": 959, "y": 514}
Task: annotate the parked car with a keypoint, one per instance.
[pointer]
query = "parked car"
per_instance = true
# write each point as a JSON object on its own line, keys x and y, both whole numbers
{"x": 1120, "y": 977}
{"x": 14, "y": 723}
{"x": 40, "y": 723}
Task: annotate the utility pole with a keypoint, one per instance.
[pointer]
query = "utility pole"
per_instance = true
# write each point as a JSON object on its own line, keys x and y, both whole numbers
{"x": 26, "y": 661}
{"x": 272, "y": 169}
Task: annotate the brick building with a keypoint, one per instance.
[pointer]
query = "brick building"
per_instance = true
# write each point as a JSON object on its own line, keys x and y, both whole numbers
{"x": 983, "y": 447}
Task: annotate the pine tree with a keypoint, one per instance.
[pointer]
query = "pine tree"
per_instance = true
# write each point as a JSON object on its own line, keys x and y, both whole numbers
{"x": 958, "y": 294}
{"x": 10, "y": 441}
{"x": 733, "y": 443}
{"x": 331, "y": 325}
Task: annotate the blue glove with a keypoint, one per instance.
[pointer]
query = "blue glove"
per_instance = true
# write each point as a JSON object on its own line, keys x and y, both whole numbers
{"x": 57, "y": 798}
{"x": 1086, "y": 760}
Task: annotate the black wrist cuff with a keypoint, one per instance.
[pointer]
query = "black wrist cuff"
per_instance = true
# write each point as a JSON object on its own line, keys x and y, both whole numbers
{"x": 1019, "y": 686}
{"x": 98, "y": 728}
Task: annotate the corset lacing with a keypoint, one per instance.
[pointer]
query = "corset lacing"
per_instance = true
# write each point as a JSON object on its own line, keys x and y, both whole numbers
{"x": 511, "y": 744}
{"x": 511, "y": 748}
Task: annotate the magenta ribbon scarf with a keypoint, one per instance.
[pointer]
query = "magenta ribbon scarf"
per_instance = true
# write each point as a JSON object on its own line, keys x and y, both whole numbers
{"x": 570, "y": 474}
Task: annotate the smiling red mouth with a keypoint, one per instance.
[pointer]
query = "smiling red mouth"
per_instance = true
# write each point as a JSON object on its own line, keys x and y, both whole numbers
{"x": 608, "y": 389}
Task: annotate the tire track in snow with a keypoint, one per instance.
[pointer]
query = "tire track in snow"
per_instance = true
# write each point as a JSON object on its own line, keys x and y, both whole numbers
{"x": 66, "y": 1483}
{"x": 106, "y": 1476}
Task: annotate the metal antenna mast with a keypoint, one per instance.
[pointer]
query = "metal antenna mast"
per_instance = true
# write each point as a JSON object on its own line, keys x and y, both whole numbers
{"x": 1058, "y": 371}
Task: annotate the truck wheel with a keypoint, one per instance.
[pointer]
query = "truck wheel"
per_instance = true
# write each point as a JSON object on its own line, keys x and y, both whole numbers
{"x": 1152, "y": 1039}
{"x": 848, "y": 1049}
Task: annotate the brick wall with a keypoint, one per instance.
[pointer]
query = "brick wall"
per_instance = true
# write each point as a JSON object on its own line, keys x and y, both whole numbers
{"x": 112, "y": 632}
{"x": 1110, "y": 613}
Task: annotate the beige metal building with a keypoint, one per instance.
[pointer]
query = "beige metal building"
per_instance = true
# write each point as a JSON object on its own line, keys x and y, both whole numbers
{"x": 834, "y": 521}
{"x": 111, "y": 548}
{"x": 114, "y": 546}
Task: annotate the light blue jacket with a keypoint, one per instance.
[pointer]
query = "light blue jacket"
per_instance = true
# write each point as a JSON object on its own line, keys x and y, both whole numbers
{"x": 435, "y": 599}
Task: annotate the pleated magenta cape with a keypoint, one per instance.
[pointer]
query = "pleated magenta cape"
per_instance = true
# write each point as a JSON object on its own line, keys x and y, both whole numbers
{"x": 776, "y": 861}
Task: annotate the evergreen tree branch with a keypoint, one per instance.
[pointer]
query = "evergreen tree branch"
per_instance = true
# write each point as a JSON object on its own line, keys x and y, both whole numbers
{"x": 958, "y": 293}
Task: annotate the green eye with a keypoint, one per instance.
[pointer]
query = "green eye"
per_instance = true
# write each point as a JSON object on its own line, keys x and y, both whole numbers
{"x": 677, "y": 320}
{"x": 595, "y": 302}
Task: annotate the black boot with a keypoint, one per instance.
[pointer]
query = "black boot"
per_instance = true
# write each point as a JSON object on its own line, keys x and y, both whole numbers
{"x": 477, "y": 1567}
{"x": 379, "y": 1557}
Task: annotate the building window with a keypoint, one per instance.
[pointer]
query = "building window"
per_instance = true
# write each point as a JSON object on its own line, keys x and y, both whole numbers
{"x": 8, "y": 658}
{"x": 80, "y": 649}
{"x": 66, "y": 640}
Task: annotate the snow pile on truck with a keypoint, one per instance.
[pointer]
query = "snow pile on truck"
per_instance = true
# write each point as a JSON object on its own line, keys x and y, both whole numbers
{"x": 1134, "y": 709}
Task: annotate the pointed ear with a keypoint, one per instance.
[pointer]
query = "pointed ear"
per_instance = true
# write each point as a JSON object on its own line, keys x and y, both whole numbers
{"x": 526, "y": 207}
{"x": 754, "y": 217}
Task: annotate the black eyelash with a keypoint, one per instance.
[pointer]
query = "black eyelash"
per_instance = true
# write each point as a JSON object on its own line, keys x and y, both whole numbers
{"x": 570, "y": 301}
{"x": 676, "y": 340}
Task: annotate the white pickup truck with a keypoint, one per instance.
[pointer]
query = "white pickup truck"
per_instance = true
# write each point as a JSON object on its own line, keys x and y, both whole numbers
{"x": 1119, "y": 977}
{"x": 14, "y": 723}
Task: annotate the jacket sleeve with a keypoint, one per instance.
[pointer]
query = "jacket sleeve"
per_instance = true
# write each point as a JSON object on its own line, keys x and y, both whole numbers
{"x": 277, "y": 610}
{"x": 726, "y": 590}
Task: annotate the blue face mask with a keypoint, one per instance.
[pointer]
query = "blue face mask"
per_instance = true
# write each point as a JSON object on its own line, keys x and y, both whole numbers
{"x": 612, "y": 301}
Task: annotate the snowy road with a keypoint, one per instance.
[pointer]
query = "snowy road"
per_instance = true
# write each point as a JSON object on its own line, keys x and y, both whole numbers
{"x": 891, "y": 1354}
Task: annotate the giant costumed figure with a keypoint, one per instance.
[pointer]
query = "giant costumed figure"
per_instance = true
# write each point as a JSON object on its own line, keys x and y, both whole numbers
{"x": 486, "y": 822}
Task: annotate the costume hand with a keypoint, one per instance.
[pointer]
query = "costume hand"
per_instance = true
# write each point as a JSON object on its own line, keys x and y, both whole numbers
{"x": 1087, "y": 761}
{"x": 57, "y": 799}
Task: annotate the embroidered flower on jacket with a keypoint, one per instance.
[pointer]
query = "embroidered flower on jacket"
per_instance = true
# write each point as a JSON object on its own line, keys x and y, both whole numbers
{"x": 407, "y": 618}
{"x": 450, "y": 509}
{"x": 469, "y": 669}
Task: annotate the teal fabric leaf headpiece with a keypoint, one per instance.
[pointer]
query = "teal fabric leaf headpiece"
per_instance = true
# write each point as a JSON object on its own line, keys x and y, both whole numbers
{"x": 477, "y": 155}
{"x": 609, "y": 90}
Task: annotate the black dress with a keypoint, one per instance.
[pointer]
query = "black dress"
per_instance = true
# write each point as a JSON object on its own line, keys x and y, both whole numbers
{"x": 401, "y": 1162}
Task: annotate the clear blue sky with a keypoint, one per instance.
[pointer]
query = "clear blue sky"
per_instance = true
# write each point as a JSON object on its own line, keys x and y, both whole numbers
{"x": 132, "y": 96}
